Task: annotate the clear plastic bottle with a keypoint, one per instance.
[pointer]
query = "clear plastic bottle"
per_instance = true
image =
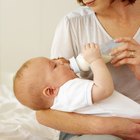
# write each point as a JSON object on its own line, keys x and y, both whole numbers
{"x": 106, "y": 49}
{"x": 80, "y": 64}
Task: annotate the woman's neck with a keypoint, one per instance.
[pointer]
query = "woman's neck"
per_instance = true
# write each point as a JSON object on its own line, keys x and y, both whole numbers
{"x": 119, "y": 10}
{"x": 122, "y": 17}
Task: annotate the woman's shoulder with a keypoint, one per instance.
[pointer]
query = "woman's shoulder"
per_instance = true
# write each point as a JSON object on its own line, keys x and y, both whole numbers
{"x": 80, "y": 12}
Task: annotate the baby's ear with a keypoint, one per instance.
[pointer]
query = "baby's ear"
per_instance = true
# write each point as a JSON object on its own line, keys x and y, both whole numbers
{"x": 50, "y": 92}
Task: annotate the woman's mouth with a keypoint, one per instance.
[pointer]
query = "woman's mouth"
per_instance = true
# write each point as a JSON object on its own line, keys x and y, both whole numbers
{"x": 89, "y": 3}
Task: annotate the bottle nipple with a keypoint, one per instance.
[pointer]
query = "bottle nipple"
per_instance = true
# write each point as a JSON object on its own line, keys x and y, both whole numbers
{"x": 79, "y": 64}
{"x": 82, "y": 63}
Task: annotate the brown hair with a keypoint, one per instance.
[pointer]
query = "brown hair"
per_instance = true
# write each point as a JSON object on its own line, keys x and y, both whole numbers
{"x": 129, "y": 1}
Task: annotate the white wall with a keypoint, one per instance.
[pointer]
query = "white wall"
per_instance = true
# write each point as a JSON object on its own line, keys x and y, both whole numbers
{"x": 27, "y": 28}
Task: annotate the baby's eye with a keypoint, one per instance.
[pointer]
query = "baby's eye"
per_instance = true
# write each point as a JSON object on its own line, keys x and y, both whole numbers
{"x": 55, "y": 65}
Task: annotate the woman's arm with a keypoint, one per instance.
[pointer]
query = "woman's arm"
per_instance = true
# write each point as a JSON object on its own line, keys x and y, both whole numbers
{"x": 89, "y": 124}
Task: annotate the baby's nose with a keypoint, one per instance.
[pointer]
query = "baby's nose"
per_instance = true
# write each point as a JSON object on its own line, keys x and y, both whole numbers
{"x": 61, "y": 63}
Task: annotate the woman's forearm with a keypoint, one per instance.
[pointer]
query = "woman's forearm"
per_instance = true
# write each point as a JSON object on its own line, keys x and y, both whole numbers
{"x": 88, "y": 124}
{"x": 66, "y": 122}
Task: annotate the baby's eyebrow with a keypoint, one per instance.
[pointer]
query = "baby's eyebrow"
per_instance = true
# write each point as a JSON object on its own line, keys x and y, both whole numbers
{"x": 58, "y": 58}
{"x": 55, "y": 58}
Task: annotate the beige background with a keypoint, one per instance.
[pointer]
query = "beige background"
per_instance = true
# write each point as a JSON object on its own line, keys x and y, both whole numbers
{"x": 26, "y": 30}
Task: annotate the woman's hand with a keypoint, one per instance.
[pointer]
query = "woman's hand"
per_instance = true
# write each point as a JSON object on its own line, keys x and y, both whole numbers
{"x": 129, "y": 128}
{"x": 129, "y": 54}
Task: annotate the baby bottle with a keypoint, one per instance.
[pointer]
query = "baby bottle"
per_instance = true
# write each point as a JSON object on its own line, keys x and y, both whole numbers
{"x": 106, "y": 49}
{"x": 80, "y": 64}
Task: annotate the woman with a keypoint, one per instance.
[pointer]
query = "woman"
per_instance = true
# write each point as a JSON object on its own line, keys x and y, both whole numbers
{"x": 99, "y": 22}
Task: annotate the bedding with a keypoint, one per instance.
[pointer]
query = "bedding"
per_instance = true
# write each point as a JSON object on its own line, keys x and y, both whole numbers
{"x": 18, "y": 122}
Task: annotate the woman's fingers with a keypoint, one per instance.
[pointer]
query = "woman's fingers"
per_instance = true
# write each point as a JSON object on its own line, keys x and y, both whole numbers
{"x": 125, "y": 40}
{"x": 124, "y": 48}
{"x": 131, "y": 61}
{"x": 123, "y": 55}
{"x": 129, "y": 53}
{"x": 128, "y": 44}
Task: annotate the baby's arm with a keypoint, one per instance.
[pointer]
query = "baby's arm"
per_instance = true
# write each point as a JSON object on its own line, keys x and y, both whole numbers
{"x": 103, "y": 83}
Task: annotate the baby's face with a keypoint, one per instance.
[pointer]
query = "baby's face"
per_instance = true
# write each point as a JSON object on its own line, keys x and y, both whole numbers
{"x": 59, "y": 70}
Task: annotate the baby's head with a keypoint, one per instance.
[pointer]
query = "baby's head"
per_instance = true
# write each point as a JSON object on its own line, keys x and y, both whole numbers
{"x": 38, "y": 80}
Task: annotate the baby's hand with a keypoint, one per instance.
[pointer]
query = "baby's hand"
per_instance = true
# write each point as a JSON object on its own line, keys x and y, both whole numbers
{"x": 91, "y": 52}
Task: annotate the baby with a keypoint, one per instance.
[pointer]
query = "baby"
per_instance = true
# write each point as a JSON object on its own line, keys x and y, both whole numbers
{"x": 43, "y": 83}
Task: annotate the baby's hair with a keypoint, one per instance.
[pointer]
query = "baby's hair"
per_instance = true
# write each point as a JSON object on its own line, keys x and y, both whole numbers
{"x": 28, "y": 92}
{"x": 20, "y": 72}
{"x": 19, "y": 75}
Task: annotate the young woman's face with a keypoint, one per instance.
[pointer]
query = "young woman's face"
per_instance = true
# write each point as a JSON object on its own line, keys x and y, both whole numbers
{"x": 98, "y": 5}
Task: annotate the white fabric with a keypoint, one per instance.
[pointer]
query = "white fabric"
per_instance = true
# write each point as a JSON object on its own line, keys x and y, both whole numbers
{"x": 81, "y": 27}
{"x": 18, "y": 122}
{"x": 71, "y": 98}
{"x": 115, "y": 105}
